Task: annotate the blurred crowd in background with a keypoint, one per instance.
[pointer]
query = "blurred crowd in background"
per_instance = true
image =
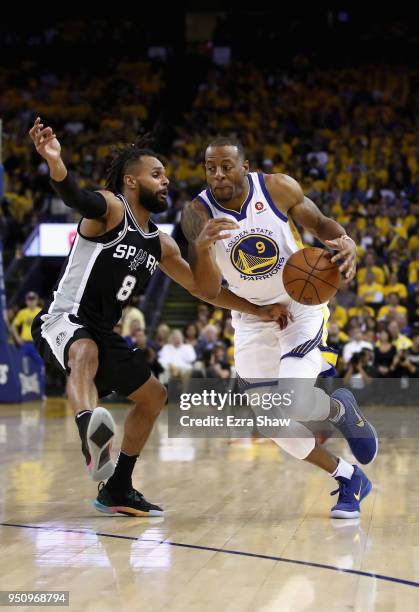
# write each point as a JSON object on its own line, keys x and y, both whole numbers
{"x": 348, "y": 134}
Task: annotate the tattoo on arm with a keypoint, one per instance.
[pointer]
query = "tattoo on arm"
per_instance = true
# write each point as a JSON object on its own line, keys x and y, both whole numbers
{"x": 192, "y": 221}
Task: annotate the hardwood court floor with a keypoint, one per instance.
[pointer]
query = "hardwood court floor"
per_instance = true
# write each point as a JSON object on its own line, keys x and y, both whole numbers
{"x": 246, "y": 527}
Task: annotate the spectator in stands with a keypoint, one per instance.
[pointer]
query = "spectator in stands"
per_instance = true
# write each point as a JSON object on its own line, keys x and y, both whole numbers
{"x": 384, "y": 353}
{"x": 208, "y": 339}
{"x": 360, "y": 310}
{"x": 176, "y": 357}
{"x": 134, "y": 326}
{"x": 413, "y": 352}
{"x": 413, "y": 270}
{"x": 21, "y": 325}
{"x": 141, "y": 344}
{"x": 21, "y": 331}
{"x": 400, "y": 341}
{"x": 394, "y": 286}
{"x": 191, "y": 334}
{"x": 203, "y": 316}
{"x": 346, "y": 297}
{"x": 370, "y": 266}
{"x": 228, "y": 332}
{"x": 336, "y": 338}
{"x": 355, "y": 345}
{"x": 161, "y": 337}
{"x": 414, "y": 309}
{"x": 338, "y": 314}
{"x": 392, "y": 308}
{"x": 360, "y": 372}
{"x": 371, "y": 290}
{"x": 131, "y": 313}
{"x": 139, "y": 339}
{"x": 220, "y": 360}
{"x": 403, "y": 366}
{"x": 215, "y": 363}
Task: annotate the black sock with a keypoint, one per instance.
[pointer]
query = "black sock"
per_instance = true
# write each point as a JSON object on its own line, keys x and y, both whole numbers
{"x": 121, "y": 480}
{"x": 82, "y": 422}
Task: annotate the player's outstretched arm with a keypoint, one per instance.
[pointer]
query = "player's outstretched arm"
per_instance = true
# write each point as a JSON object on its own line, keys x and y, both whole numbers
{"x": 304, "y": 211}
{"x": 202, "y": 233}
{"x": 173, "y": 264}
{"x": 90, "y": 204}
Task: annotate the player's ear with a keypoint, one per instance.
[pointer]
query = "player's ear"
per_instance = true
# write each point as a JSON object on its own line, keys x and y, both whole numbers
{"x": 246, "y": 166}
{"x": 130, "y": 181}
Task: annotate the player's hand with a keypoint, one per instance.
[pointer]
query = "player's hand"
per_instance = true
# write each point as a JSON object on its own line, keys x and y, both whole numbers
{"x": 275, "y": 312}
{"x": 213, "y": 230}
{"x": 347, "y": 255}
{"x": 45, "y": 141}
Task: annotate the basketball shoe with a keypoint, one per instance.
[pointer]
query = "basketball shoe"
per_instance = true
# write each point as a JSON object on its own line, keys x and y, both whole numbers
{"x": 359, "y": 433}
{"x": 129, "y": 502}
{"x": 97, "y": 442}
{"x": 351, "y": 492}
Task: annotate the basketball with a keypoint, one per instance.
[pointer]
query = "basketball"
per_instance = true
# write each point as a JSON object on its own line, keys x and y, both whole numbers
{"x": 310, "y": 277}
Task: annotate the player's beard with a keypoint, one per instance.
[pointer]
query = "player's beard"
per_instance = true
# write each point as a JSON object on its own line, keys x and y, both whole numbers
{"x": 150, "y": 200}
{"x": 223, "y": 197}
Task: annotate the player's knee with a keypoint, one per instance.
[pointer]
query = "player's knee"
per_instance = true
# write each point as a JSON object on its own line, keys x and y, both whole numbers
{"x": 162, "y": 397}
{"x": 83, "y": 355}
{"x": 159, "y": 400}
{"x": 153, "y": 404}
{"x": 309, "y": 403}
{"x": 299, "y": 448}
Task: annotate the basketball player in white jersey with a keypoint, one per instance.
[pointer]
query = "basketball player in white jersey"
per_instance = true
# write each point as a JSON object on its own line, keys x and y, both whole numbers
{"x": 251, "y": 258}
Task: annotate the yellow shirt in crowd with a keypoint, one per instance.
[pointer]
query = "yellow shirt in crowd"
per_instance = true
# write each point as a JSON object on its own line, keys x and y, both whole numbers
{"x": 340, "y": 317}
{"x": 378, "y": 273}
{"x": 24, "y": 319}
{"x": 385, "y": 310}
{"x": 398, "y": 288}
{"x": 358, "y": 311}
{"x": 413, "y": 271}
{"x": 402, "y": 342}
{"x": 371, "y": 293}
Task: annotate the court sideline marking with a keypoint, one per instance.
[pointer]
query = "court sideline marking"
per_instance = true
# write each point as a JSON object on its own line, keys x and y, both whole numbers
{"x": 227, "y": 551}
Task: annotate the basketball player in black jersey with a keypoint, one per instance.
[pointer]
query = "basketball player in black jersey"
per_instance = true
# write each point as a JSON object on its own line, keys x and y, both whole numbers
{"x": 117, "y": 248}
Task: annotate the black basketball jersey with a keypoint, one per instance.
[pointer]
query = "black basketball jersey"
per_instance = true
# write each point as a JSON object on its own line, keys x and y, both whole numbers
{"x": 100, "y": 274}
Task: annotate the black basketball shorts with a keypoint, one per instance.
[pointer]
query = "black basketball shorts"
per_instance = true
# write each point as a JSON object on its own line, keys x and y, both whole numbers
{"x": 121, "y": 368}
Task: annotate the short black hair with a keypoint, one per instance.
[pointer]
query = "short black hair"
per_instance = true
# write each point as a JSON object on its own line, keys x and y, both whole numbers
{"x": 228, "y": 141}
{"x": 122, "y": 157}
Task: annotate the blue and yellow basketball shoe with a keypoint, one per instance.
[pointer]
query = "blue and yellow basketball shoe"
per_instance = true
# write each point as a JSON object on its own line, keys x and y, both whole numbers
{"x": 351, "y": 493}
{"x": 359, "y": 433}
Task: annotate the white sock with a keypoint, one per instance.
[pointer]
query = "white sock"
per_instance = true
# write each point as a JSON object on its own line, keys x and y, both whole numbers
{"x": 344, "y": 469}
{"x": 340, "y": 413}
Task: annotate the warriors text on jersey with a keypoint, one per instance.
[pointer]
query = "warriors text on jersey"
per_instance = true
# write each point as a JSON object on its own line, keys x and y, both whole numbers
{"x": 253, "y": 258}
{"x": 100, "y": 273}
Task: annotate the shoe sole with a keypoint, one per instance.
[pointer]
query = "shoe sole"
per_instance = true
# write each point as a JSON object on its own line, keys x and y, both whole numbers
{"x": 346, "y": 514}
{"x": 359, "y": 413}
{"x": 125, "y": 510}
{"x": 100, "y": 434}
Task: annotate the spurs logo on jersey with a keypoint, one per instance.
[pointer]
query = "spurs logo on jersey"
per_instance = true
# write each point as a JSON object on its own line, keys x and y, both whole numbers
{"x": 124, "y": 251}
{"x": 259, "y": 249}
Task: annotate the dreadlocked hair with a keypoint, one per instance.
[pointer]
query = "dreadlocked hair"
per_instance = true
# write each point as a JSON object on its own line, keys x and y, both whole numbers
{"x": 122, "y": 157}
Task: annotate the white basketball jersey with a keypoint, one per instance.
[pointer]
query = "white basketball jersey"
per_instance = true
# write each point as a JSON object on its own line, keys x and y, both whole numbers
{"x": 253, "y": 258}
